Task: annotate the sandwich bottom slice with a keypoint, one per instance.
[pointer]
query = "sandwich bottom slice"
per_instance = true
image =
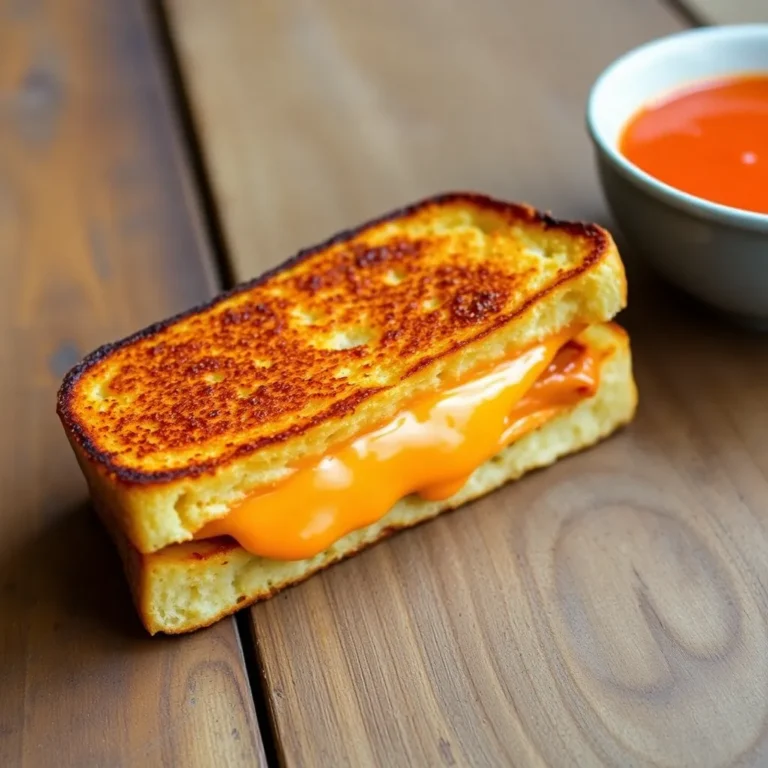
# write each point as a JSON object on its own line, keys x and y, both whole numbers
{"x": 191, "y": 585}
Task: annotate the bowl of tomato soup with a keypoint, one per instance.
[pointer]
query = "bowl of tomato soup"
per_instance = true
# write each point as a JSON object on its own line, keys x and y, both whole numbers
{"x": 680, "y": 128}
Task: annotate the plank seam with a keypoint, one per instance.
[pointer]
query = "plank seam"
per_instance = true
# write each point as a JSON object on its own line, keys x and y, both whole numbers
{"x": 195, "y": 154}
{"x": 257, "y": 680}
{"x": 214, "y": 231}
{"x": 686, "y": 14}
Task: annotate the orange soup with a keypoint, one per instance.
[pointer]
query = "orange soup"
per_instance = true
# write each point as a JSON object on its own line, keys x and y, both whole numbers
{"x": 710, "y": 140}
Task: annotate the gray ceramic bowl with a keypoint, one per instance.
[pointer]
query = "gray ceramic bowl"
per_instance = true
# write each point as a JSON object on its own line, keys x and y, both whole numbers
{"x": 716, "y": 253}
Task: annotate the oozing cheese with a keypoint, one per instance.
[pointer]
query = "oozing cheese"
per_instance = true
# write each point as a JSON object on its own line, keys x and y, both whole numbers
{"x": 430, "y": 448}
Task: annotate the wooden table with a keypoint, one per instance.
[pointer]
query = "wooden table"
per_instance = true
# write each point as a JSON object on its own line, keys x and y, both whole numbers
{"x": 609, "y": 611}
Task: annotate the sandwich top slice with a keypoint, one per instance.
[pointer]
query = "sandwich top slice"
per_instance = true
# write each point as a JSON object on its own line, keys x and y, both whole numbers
{"x": 390, "y": 363}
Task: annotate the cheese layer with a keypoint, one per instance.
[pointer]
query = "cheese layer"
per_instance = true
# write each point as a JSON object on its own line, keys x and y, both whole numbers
{"x": 430, "y": 448}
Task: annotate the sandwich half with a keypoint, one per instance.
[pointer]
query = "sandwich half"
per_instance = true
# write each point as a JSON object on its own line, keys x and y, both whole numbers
{"x": 396, "y": 371}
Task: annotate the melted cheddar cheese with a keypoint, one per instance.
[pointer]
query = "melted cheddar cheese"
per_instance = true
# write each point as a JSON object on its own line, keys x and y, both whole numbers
{"x": 431, "y": 448}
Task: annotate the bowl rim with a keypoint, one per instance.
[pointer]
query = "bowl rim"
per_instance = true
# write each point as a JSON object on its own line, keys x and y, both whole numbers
{"x": 698, "y": 206}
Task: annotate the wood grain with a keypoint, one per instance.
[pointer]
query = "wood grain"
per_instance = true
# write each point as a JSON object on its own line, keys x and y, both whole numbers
{"x": 99, "y": 235}
{"x": 315, "y": 116}
{"x": 609, "y": 611}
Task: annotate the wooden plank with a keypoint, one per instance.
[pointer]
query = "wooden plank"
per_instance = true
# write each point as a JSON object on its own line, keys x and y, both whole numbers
{"x": 99, "y": 235}
{"x": 318, "y": 115}
{"x": 608, "y": 611}
{"x": 728, "y": 11}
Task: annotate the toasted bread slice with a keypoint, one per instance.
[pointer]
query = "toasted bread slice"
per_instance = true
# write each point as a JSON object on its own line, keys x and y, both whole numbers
{"x": 191, "y": 585}
{"x": 180, "y": 421}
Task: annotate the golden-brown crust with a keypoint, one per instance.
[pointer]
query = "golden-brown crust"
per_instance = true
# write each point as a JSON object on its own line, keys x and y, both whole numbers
{"x": 201, "y": 383}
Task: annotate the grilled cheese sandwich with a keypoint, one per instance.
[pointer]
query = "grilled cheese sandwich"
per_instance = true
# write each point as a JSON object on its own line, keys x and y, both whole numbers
{"x": 395, "y": 371}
